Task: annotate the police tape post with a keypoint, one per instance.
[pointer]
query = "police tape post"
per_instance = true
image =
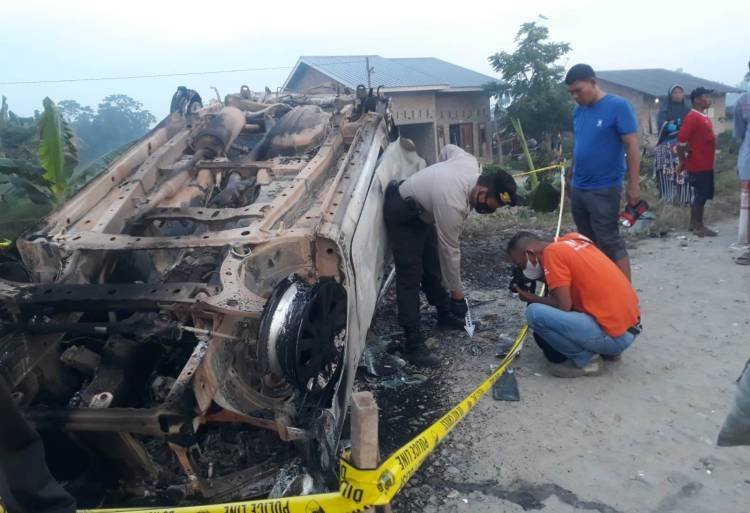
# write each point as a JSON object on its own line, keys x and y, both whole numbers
{"x": 393, "y": 474}
{"x": 362, "y": 488}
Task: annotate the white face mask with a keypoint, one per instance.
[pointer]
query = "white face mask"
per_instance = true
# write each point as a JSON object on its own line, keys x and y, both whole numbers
{"x": 533, "y": 271}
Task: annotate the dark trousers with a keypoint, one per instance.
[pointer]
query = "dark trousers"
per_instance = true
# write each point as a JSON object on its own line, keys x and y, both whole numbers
{"x": 26, "y": 485}
{"x": 596, "y": 214}
{"x": 415, "y": 253}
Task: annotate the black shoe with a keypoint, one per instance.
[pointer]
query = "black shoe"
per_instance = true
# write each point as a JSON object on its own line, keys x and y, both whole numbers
{"x": 422, "y": 357}
{"x": 417, "y": 353}
{"x": 449, "y": 321}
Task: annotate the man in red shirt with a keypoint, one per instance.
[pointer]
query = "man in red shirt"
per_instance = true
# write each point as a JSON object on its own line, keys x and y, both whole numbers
{"x": 696, "y": 149}
{"x": 592, "y": 309}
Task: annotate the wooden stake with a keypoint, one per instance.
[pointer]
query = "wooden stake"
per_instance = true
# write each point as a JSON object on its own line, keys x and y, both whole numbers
{"x": 365, "y": 445}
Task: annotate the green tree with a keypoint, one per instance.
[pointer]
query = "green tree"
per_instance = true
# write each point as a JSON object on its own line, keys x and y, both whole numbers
{"x": 531, "y": 88}
{"x": 119, "y": 119}
{"x": 75, "y": 113}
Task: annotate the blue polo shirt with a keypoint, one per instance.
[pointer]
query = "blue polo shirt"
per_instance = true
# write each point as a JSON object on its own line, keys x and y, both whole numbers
{"x": 599, "y": 152}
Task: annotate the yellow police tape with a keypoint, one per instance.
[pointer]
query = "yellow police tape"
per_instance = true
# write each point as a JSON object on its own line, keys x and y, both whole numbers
{"x": 360, "y": 489}
{"x": 540, "y": 170}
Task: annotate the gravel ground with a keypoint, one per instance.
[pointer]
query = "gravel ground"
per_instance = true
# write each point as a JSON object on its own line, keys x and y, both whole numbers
{"x": 639, "y": 438}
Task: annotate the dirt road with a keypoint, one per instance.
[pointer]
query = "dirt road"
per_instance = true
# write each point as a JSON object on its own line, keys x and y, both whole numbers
{"x": 640, "y": 438}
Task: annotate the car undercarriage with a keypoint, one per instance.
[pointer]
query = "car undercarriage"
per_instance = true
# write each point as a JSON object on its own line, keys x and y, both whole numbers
{"x": 187, "y": 327}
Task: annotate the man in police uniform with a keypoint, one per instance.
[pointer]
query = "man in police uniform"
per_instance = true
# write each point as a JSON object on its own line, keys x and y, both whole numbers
{"x": 423, "y": 217}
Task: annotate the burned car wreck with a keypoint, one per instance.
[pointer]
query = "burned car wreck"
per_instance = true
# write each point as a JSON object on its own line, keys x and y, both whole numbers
{"x": 187, "y": 327}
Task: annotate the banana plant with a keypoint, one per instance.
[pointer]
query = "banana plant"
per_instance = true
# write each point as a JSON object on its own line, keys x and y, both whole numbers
{"x": 3, "y": 111}
{"x": 26, "y": 178}
{"x": 519, "y": 132}
{"x": 50, "y": 183}
{"x": 58, "y": 155}
{"x": 543, "y": 195}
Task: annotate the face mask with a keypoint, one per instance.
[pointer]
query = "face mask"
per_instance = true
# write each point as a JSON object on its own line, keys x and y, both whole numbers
{"x": 533, "y": 271}
{"x": 482, "y": 207}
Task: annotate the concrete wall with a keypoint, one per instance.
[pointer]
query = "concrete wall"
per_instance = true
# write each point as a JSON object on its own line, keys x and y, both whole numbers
{"x": 442, "y": 110}
{"x": 718, "y": 114}
{"x": 423, "y": 136}
{"x": 459, "y": 108}
{"x": 413, "y": 108}
{"x": 647, "y": 109}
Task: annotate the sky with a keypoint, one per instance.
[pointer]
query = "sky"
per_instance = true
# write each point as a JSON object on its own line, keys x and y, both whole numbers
{"x": 53, "y": 40}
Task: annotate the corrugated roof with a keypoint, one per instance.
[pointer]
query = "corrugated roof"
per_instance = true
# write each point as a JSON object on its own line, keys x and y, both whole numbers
{"x": 658, "y": 81}
{"x": 445, "y": 72}
{"x": 351, "y": 71}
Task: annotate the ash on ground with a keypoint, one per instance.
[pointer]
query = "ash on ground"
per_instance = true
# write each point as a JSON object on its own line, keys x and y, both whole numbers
{"x": 410, "y": 399}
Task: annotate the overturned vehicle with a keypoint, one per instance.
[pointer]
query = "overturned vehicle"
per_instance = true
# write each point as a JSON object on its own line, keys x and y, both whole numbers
{"x": 187, "y": 327}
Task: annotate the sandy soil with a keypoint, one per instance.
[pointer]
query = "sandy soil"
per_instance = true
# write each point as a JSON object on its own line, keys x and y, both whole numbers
{"x": 639, "y": 438}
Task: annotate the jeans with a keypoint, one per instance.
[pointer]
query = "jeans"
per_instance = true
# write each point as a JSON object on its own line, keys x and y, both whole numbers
{"x": 574, "y": 334}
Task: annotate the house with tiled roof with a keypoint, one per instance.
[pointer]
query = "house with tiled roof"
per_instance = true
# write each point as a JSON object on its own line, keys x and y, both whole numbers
{"x": 433, "y": 101}
{"x": 647, "y": 88}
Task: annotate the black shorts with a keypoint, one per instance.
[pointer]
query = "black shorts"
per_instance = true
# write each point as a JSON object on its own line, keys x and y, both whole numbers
{"x": 702, "y": 184}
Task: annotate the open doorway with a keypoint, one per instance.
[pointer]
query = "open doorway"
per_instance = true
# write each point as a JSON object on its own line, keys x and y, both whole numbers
{"x": 462, "y": 135}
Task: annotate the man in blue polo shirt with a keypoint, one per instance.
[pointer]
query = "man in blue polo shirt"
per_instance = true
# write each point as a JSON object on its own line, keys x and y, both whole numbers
{"x": 605, "y": 130}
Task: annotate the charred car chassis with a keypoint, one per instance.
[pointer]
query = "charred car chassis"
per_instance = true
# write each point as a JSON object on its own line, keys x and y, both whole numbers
{"x": 190, "y": 322}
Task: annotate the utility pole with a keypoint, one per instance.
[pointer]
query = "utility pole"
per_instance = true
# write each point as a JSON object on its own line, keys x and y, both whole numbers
{"x": 369, "y": 72}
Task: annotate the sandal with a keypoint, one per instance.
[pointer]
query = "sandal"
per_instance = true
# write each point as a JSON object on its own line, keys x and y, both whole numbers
{"x": 743, "y": 259}
{"x": 702, "y": 231}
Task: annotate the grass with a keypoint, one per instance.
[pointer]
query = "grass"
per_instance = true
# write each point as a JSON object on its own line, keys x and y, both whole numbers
{"x": 507, "y": 221}
{"x": 725, "y": 205}
{"x": 669, "y": 218}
